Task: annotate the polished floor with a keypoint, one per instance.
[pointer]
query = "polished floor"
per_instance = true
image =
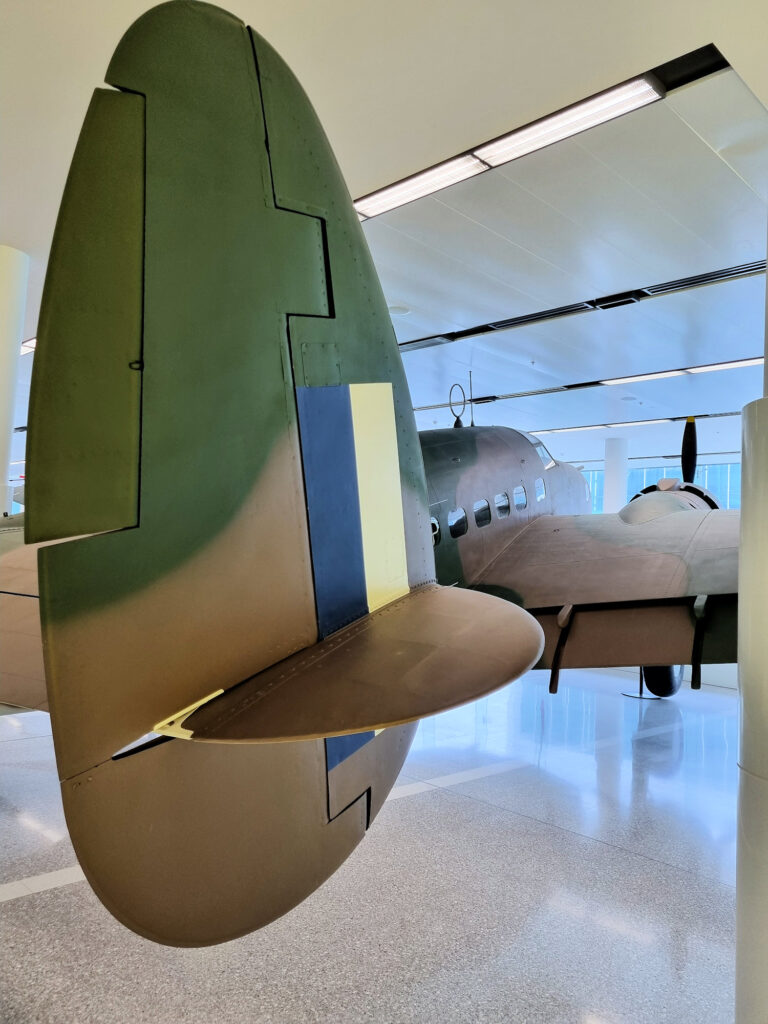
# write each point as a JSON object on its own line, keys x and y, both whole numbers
{"x": 542, "y": 860}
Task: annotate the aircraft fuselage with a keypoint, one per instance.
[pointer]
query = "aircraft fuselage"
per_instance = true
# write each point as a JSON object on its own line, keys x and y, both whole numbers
{"x": 485, "y": 485}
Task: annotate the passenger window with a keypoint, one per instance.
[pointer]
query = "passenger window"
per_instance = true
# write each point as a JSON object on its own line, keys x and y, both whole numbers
{"x": 502, "y": 504}
{"x": 435, "y": 524}
{"x": 520, "y": 498}
{"x": 457, "y": 522}
{"x": 541, "y": 490}
{"x": 482, "y": 512}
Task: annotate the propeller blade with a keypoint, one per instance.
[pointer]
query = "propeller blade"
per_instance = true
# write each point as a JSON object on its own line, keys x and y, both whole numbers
{"x": 689, "y": 452}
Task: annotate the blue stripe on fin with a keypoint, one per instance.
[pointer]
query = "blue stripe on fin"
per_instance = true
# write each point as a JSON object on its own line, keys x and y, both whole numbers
{"x": 333, "y": 505}
{"x": 339, "y": 748}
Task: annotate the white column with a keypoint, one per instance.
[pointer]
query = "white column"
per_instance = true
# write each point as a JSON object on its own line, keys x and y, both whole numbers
{"x": 14, "y": 269}
{"x": 616, "y": 474}
{"x": 752, "y": 868}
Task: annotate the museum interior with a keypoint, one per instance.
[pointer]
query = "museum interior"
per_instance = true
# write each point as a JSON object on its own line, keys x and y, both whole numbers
{"x": 456, "y": 380}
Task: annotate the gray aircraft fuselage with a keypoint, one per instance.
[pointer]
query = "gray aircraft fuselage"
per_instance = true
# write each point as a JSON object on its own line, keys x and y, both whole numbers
{"x": 510, "y": 471}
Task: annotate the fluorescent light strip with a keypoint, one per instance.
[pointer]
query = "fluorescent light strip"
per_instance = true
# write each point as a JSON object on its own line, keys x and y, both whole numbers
{"x": 583, "y": 385}
{"x": 644, "y": 376}
{"x": 578, "y": 118}
{"x": 569, "y": 430}
{"x": 734, "y": 364}
{"x": 420, "y": 185}
{"x": 596, "y": 110}
{"x": 757, "y": 361}
{"x": 638, "y": 423}
{"x": 635, "y": 423}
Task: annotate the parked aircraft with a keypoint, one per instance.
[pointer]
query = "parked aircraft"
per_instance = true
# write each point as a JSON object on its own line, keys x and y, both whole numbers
{"x": 224, "y": 662}
{"x": 654, "y": 584}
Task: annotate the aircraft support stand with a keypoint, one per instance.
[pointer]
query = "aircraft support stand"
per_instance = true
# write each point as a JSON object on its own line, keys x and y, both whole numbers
{"x": 14, "y": 269}
{"x": 752, "y": 866}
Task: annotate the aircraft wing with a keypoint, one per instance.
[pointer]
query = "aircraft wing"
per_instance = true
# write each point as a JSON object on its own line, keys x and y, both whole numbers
{"x": 640, "y": 587}
{"x": 22, "y": 678}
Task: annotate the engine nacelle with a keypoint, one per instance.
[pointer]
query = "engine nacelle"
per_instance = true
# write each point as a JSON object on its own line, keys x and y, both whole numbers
{"x": 666, "y": 496}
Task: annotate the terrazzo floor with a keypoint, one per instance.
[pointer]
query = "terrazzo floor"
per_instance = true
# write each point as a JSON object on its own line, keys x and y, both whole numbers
{"x": 542, "y": 860}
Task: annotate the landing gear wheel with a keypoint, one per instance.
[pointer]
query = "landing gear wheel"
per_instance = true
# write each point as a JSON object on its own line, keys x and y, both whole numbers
{"x": 663, "y": 680}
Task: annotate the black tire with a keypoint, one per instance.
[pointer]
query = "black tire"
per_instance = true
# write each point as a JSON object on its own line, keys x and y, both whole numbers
{"x": 663, "y": 680}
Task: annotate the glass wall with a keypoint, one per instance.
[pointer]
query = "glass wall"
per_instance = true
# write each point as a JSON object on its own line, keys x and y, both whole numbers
{"x": 722, "y": 479}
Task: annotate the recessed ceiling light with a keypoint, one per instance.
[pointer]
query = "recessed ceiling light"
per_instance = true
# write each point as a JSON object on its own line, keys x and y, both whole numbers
{"x": 398, "y": 310}
{"x": 420, "y": 185}
{"x": 597, "y": 110}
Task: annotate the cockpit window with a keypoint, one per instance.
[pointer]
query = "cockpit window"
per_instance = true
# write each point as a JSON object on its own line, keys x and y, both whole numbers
{"x": 457, "y": 522}
{"x": 546, "y": 459}
{"x": 541, "y": 490}
{"x": 501, "y": 502}
{"x": 520, "y": 498}
{"x": 482, "y": 512}
{"x": 436, "y": 532}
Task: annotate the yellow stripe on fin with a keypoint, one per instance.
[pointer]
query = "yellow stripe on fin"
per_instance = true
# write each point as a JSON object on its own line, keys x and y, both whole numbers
{"x": 378, "y": 481}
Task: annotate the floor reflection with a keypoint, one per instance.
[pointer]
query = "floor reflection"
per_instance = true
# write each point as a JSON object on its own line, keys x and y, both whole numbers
{"x": 656, "y": 777}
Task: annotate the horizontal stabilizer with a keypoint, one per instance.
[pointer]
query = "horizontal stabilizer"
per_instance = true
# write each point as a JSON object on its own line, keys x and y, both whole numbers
{"x": 434, "y": 649}
{"x": 22, "y": 676}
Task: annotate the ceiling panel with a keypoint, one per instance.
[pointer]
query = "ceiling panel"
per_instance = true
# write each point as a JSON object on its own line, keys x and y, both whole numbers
{"x": 656, "y": 153}
{"x": 655, "y": 195}
{"x": 482, "y": 247}
{"x": 723, "y": 111}
{"x": 424, "y": 279}
{"x": 612, "y": 209}
{"x": 704, "y": 325}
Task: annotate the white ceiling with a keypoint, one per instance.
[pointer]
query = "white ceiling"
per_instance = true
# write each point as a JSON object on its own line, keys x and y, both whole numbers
{"x": 676, "y": 189}
{"x": 425, "y": 93}
{"x": 397, "y": 88}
